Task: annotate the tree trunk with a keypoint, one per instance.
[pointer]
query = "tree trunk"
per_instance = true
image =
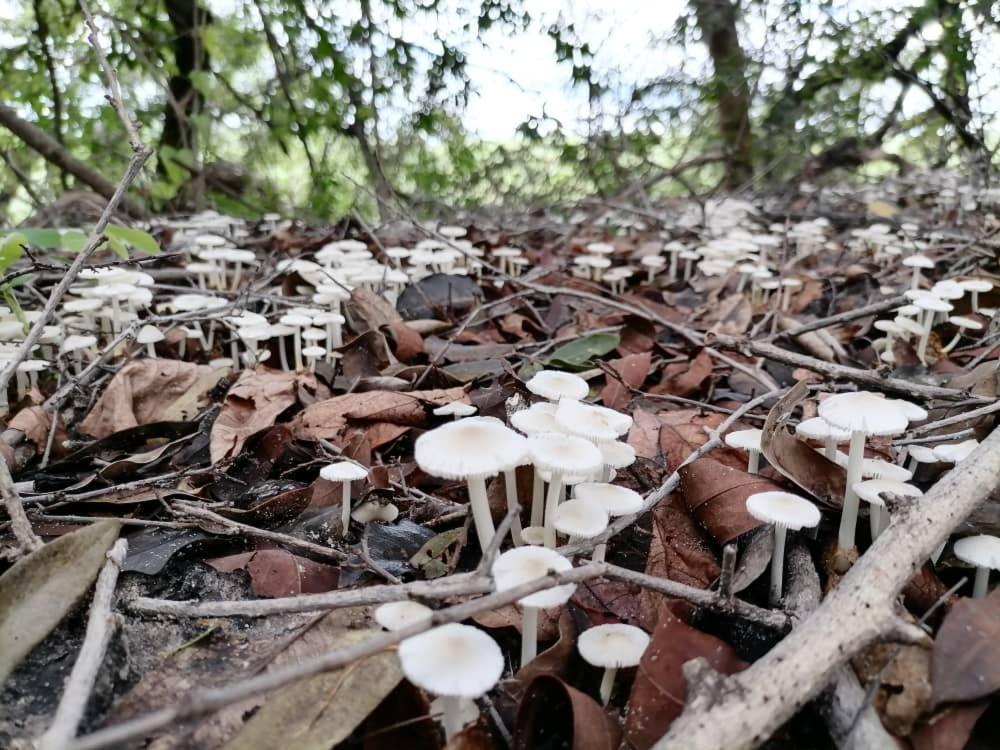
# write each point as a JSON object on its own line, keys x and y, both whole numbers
{"x": 717, "y": 21}
{"x": 184, "y": 99}
{"x": 50, "y": 150}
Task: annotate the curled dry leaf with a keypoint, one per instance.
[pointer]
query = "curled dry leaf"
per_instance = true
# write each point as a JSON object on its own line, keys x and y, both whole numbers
{"x": 276, "y": 572}
{"x": 716, "y": 497}
{"x": 150, "y": 390}
{"x": 632, "y": 371}
{"x": 39, "y": 590}
{"x": 966, "y": 661}
{"x": 253, "y": 403}
{"x": 36, "y": 423}
{"x": 660, "y": 689}
{"x": 553, "y": 714}
{"x": 328, "y": 419}
{"x": 808, "y": 468}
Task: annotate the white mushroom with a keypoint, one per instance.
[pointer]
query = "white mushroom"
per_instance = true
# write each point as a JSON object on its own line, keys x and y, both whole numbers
{"x": 594, "y": 423}
{"x": 553, "y": 385}
{"x": 150, "y": 336}
{"x": 562, "y": 455}
{"x": 612, "y": 647}
{"x": 455, "y": 409}
{"x": 785, "y": 511}
{"x": 818, "y": 428}
{"x": 536, "y": 419}
{"x": 983, "y": 551}
{"x": 748, "y": 440}
{"x": 961, "y": 324}
{"x": 456, "y": 662}
{"x": 954, "y": 453}
{"x": 616, "y": 501}
{"x": 344, "y": 472}
{"x": 871, "y": 491}
{"x": 399, "y": 615}
{"x": 580, "y": 518}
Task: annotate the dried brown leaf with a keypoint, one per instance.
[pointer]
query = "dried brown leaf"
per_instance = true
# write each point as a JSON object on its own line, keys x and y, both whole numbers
{"x": 731, "y": 317}
{"x": 966, "y": 662}
{"x": 685, "y": 379}
{"x": 276, "y": 572}
{"x": 632, "y": 371}
{"x": 950, "y": 729}
{"x": 553, "y": 714}
{"x": 644, "y": 436}
{"x": 716, "y": 496}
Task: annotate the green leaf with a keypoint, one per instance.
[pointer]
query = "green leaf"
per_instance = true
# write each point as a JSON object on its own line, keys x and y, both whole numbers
{"x": 11, "y": 248}
{"x": 44, "y": 238}
{"x": 118, "y": 247}
{"x": 15, "y": 307}
{"x": 576, "y": 355}
{"x": 141, "y": 241}
{"x": 73, "y": 240}
{"x": 42, "y": 588}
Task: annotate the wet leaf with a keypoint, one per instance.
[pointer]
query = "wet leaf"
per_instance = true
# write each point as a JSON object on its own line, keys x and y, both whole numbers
{"x": 552, "y": 714}
{"x": 150, "y": 390}
{"x": 716, "y": 496}
{"x": 391, "y": 546}
{"x": 660, "y": 689}
{"x": 439, "y": 295}
{"x": 380, "y": 315}
{"x": 577, "y": 355}
{"x": 277, "y": 572}
{"x": 39, "y": 590}
{"x": 966, "y": 661}
{"x": 755, "y": 556}
{"x": 150, "y": 549}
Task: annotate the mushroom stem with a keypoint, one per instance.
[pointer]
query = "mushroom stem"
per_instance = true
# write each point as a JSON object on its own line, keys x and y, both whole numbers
{"x": 849, "y": 514}
{"x": 282, "y": 354}
{"x": 451, "y": 718}
{"x": 981, "y": 583}
{"x": 150, "y": 349}
{"x": 954, "y": 341}
{"x": 830, "y": 448}
{"x": 298, "y": 348}
{"x": 345, "y": 507}
{"x": 777, "y": 563}
{"x": 672, "y": 273}
{"x": 922, "y": 346}
{"x": 753, "y": 461}
{"x": 537, "y": 500}
{"x": 875, "y": 520}
{"x": 480, "y": 511}
{"x": 915, "y": 279}
{"x": 551, "y": 503}
{"x": 529, "y": 634}
{"x": 607, "y": 683}
{"x": 510, "y": 485}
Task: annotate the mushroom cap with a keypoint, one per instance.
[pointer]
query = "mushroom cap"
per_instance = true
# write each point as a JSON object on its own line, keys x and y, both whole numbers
{"x": 817, "y": 428}
{"x": 600, "y": 248}
{"x": 581, "y": 517}
{"x": 523, "y": 564}
{"x": 540, "y": 417}
{"x": 33, "y": 365}
{"x": 314, "y": 352}
{"x": 533, "y": 535}
{"x": 871, "y": 490}
{"x": 783, "y": 509}
{"x": 948, "y": 289}
{"x": 375, "y": 511}
{"x": 75, "y": 341}
{"x": 255, "y": 332}
{"x": 653, "y": 261}
{"x": 955, "y": 452}
{"x": 616, "y": 500}
{"x": 397, "y": 615}
{"x": 554, "y": 385}
{"x": 617, "y": 454}
{"x": 976, "y": 285}
{"x": 918, "y": 261}
{"x": 878, "y": 468}
{"x": 452, "y": 408}
{"x": 296, "y": 320}
{"x": 342, "y": 471}
{"x": 923, "y": 454}
{"x": 865, "y": 411}
{"x": 909, "y": 325}
{"x": 473, "y": 447}
{"x": 612, "y": 646}
{"x": 962, "y": 322}
{"x": 982, "y": 550}
{"x": 933, "y": 303}
{"x": 149, "y": 335}
{"x": 596, "y": 423}
{"x": 453, "y": 660}
{"x": 748, "y": 440}
{"x": 85, "y": 304}
{"x": 563, "y": 454}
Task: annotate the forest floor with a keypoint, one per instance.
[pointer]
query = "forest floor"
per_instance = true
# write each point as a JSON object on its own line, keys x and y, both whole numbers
{"x": 183, "y": 551}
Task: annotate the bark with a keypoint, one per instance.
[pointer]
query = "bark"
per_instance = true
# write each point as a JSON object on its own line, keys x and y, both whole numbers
{"x": 50, "y": 150}
{"x": 190, "y": 55}
{"x": 717, "y": 21}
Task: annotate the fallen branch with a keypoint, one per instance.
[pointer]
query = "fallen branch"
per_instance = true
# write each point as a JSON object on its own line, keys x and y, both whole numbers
{"x": 744, "y": 710}
{"x": 27, "y": 539}
{"x": 867, "y": 378}
{"x": 100, "y": 627}
{"x": 858, "y": 312}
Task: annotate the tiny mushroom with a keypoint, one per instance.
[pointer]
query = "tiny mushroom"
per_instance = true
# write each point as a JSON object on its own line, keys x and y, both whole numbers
{"x": 150, "y": 336}
{"x": 580, "y": 518}
{"x": 472, "y": 449}
{"x": 597, "y": 424}
{"x": 375, "y": 511}
{"x": 344, "y": 472}
{"x": 916, "y": 262}
{"x": 398, "y": 615}
{"x": 455, "y": 662}
{"x": 616, "y": 501}
{"x": 748, "y": 440}
{"x": 785, "y": 511}
{"x": 524, "y": 564}
{"x": 455, "y": 409}
{"x": 612, "y": 647}
{"x": 818, "y": 428}
{"x": 954, "y": 453}
{"x": 983, "y": 551}
{"x": 536, "y": 419}
{"x": 617, "y": 455}
{"x": 553, "y": 385}
{"x": 562, "y": 455}
{"x": 871, "y": 491}
{"x": 961, "y": 324}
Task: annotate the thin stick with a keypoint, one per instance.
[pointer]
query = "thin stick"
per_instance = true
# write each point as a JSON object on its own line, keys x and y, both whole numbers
{"x": 861, "y": 312}
{"x": 26, "y": 537}
{"x": 982, "y": 411}
{"x": 100, "y": 627}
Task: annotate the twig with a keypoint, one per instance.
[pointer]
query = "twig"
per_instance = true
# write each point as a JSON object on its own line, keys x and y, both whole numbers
{"x": 960, "y": 435}
{"x": 982, "y": 411}
{"x": 19, "y": 523}
{"x": 747, "y": 708}
{"x": 863, "y": 377}
{"x": 100, "y": 627}
{"x": 859, "y": 312}
{"x": 727, "y": 574}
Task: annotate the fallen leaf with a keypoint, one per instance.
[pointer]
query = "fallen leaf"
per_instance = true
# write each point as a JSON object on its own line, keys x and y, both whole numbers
{"x": 552, "y": 714}
{"x": 683, "y": 431}
{"x": 609, "y": 601}
{"x": 644, "y": 436}
{"x": 39, "y": 590}
{"x": 731, "y": 317}
{"x": 660, "y": 689}
{"x": 755, "y": 555}
{"x": 716, "y": 497}
{"x": 327, "y": 419}
{"x": 439, "y": 295}
{"x": 36, "y": 423}
{"x": 632, "y": 371}
{"x": 904, "y": 688}
{"x": 276, "y": 572}
{"x": 439, "y": 556}
{"x": 577, "y": 354}
{"x": 950, "y": 729}
{"x": 795, "y": 459}
{"x": 473, "y": 737}
{"x": 150, "y": 549}
{"x": 966, "y": 661}
{"x": 254, "y": 403}
{"x": 150, "y": 390}
{"x": 685, "y": 379}
{"x": 678, "y": 552}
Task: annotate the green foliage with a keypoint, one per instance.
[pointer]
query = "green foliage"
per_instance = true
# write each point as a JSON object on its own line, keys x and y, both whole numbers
{"x": 577, "y": 355}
